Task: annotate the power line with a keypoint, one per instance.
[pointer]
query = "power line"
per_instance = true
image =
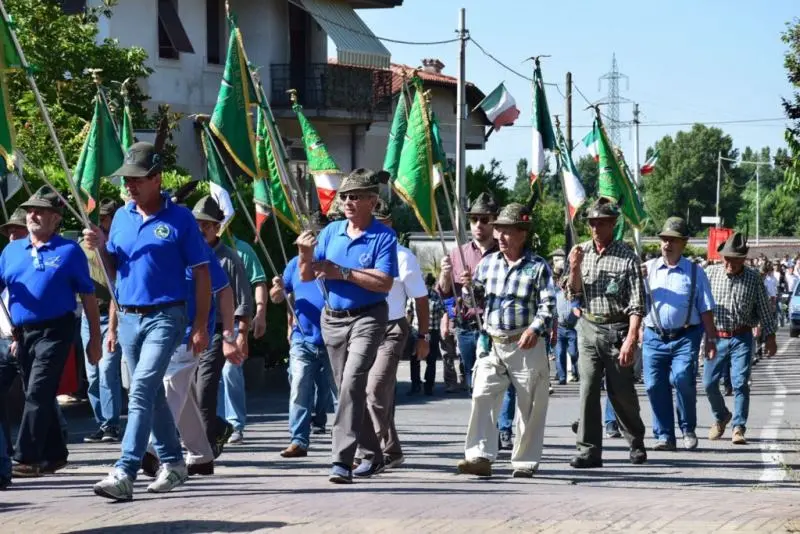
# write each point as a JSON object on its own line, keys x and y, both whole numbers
{"x": 490, "y": 56}
{"x": 365, "y": 34}
{"x": 662, "y": 124}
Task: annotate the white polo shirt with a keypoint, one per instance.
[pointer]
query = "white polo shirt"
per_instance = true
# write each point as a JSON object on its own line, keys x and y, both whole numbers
{"x": 408, "y": 285}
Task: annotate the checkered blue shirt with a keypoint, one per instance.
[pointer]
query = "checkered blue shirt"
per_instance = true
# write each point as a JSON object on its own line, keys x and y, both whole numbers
{"x": 515, "y": 296}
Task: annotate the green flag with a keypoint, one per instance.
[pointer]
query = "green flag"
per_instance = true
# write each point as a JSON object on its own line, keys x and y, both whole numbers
{"x": 10, "y": 61}
{"x": 127, "y": 128}
{"x": 327, "y": 176}
{"x": 613, "y": 182}
{"x": 414, "y": 181}
{"x": 441, "y": 166}
{"x": 396, "y": 136}
{"x": 101, "y": 155}
{"x": 231, "y": 121}
{"x": 270, "y": 195}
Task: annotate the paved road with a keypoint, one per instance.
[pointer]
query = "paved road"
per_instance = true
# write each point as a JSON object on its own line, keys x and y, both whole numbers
{"x": 718, "y": 488}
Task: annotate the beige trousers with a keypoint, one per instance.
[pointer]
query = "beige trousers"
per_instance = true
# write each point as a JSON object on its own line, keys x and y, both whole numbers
{"x": 528, "y": 372}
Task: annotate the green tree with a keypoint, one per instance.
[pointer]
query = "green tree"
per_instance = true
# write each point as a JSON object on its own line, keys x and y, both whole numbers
{"x": 685, "y": 180}
{"x": 587, "y": 168}
{"x": 483, "y": 179}
{"x": 60, "y": 49}
{"x": 791, "y": 61}
{"x": 522, "y": 183}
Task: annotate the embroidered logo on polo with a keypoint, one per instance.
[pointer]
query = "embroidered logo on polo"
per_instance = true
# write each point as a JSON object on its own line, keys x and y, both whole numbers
{"x": 162, "y": 231}
{"x": 53, "y": 261}
{"x": 365, "y": 259}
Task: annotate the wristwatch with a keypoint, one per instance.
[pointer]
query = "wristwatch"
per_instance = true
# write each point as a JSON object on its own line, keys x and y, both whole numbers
{"x": 345, "y": 272}
{"x": 229, "y": 338}
{"x": 711, "y": 340}
{"x": 426, "y": 337}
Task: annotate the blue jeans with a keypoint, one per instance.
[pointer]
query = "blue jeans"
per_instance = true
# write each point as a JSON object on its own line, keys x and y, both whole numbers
{"x": 505, "y": 419}
{"x": 668, "y": 365}
{"x": 467, "y": 346}
{"x": 611, "y": 415}
{"x": 148, "y": 343}
{"x": 737, "y": 352}
{"x": 309, "y": 367}
{"x": 566, "y": 343}
{"x": 232, "y": 397}
{"x": 105, "y": 381}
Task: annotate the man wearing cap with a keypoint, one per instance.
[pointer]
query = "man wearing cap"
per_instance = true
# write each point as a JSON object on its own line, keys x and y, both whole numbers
{"x": 357, "y": 258}
{"x": 105, "y": 382}
{"x": 481, "y": 215}
{"x": 308, "y": 357}
{"x": 741, "y": 303}
{"x": 209, "y": 218}
{"x": 43, "y": 273}
{"x": 151, "y": 244}
{"x": 232, "y": 401}
{"x": 680, "y": 311}
{"x": 436, "y": 311}
{"x": 515, "y": 289}
{"x": 382, "y": 379}
{"x": 605, "y": 276}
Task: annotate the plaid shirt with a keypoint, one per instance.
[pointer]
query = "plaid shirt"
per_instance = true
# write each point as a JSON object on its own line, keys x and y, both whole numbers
{"x": 612, "y": 281}
{"x": 515, "y": 296}
{"x": 435, "y": 306}
{"x": 741, "y": 300}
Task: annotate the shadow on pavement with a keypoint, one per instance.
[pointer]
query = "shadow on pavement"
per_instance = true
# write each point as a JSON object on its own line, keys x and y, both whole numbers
{"x": 188, "y": 525}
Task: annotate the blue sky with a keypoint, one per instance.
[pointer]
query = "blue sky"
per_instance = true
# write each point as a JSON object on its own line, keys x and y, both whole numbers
{"x": 688, "y": 60}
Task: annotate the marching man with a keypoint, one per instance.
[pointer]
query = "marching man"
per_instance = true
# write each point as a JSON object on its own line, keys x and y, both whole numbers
{"x": 515, "y": 288}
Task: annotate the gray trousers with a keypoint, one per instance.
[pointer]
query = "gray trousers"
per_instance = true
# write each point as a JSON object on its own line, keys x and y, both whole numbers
{"x": 381, "y": 389}
{"x": 598, "y": 353}
{"x": 352, "y": 344}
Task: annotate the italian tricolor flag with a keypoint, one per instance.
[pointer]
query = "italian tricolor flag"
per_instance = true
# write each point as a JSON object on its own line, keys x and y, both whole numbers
{"x": 500, "y": 107}
{"x": 327, "y": 176}
{"x": 650, "y": 165}
{"x": 543, "y": 136}
{"x": 573, "y": 188}
{"x": 590, "y": 142}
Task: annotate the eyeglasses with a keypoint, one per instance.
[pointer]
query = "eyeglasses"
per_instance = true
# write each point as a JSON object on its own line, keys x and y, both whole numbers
{"x": 482, "y": 220}
{"x": 354, "y": 197}
{"x": 38, "y": 259}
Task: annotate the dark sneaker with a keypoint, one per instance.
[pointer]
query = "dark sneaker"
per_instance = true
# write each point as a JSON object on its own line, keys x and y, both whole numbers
{"x": 222, "y": 439}
{"x": 390, "y": 462}
{"x": 367, "y": 469}
{"x": 584, "y": 462}
{"x": 638, "y": 455}
{"x": 664, "y": 445}
{"x": 480, "y": 467}
{"x": 415, "y": 389}
{"x": 728, "y": 391}
{"x": 204, "y": 469}
{"x": 318, "y": 430}
{"x": 505, "y": 441}
{"x": 574, "y": 426}
{"x": 4, "y": 483}
{"x": 95, "y": 437}
{"x": 49, "y": 468}
{"x": 612, "y": 431}
{"x": 340, "y": 475}
{"x": 110, "y": 435}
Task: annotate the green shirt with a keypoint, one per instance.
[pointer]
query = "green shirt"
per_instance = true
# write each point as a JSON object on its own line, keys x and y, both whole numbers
{"x": 252, "y": 266}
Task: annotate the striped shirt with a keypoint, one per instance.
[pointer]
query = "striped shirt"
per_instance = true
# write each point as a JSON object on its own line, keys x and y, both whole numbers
{"x": 515, "y": 295}
{"x": 741, "y": 300}
{"x": 612, "y": 281}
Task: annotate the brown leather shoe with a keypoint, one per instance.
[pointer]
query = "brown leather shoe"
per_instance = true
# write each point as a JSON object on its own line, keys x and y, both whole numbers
{"x": 481, "y": 467}
{"x": 26, "y": 471}
{"x": 201, "y": 469}
{"x": 738, "y": 436}
{"x": 294, "y": 451}
{"x": 718, "y": 428}
{"x": 49, "y": 468}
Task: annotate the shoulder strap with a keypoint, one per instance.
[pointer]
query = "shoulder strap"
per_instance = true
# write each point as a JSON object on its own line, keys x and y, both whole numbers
{"x": 652, "y": 304}
{"x": 692, "y": 291}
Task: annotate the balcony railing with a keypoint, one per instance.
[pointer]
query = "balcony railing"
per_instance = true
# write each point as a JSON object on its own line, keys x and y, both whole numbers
{"x": 326, "y": 89}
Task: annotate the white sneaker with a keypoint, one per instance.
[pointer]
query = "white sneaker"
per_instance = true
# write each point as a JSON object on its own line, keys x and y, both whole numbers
{"x": 117, "y": 486}
{"x": 170, "y": 476}
{"x": 237, "y": 438}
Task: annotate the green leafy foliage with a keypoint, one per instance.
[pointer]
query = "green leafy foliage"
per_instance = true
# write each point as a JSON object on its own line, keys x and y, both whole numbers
{"x": 791, "y": 61}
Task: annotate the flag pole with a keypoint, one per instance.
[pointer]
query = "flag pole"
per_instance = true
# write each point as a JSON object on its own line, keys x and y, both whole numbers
{"x": 84, "y": 218}
{"x": 247, "y": 213}
{"x": 3, "y": 205}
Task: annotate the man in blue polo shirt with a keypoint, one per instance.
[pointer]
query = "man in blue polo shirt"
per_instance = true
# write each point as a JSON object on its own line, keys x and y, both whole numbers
{"x": 308, "y": 357}
{"x": 43, "y": 273}
{"x": 151, "y": 244}
{"x": 357, "y": 258}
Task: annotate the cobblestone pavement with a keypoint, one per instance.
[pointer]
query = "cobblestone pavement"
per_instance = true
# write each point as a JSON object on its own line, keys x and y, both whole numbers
{"x": 717, "y": 488}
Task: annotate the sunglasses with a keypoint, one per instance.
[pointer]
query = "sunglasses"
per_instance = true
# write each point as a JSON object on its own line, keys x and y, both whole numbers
{"x": 353, "y": 197}
{"x": 482, "y": 220}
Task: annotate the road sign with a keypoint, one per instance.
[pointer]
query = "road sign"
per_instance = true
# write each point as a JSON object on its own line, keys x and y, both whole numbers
{"x": 709, "y": 220}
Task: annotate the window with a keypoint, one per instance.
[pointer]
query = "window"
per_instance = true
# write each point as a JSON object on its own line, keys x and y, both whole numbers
{"x": 215, "y": 31}
{"x": 172, "y": 38}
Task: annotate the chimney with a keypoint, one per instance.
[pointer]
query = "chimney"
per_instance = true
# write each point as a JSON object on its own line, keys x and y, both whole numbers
{"x": 433, "y": 66}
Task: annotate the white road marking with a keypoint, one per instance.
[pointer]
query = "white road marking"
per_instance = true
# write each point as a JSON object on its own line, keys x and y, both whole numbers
{"x": 771, "y": 456}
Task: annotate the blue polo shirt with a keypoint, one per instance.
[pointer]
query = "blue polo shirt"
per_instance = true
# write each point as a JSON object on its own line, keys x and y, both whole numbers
{"x": 376, "y": 248}
{"x": 670, "y": 288}
{"x": 308, "y": 304}
{"x": 153, "y": 254}
{"x": 48, "y": 292}
{"x": 219, "y": 281}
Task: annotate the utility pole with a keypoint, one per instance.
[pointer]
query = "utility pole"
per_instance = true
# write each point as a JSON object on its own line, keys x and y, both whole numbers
{"x": 758, "y": 203}
{"x": 568, "y": 244}
{"x": 719, "y": 180}
{"x": 758, "y": 165}
{"x": 569, "y": 111}
{"x": 637, "y": 235}
{"x": 461, "y": 153}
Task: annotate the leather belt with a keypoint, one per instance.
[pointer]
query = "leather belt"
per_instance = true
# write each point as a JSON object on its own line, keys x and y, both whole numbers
{"x": 735, "y": 332}
{"x": 147, "y": 310}
{"x": 604, "y": 319}
{"x": 507, "y": 339}
{"x": 674, "y": 333}
{"x": 355, "y": 312}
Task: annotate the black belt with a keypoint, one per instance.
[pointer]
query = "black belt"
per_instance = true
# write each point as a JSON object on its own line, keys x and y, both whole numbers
{"x": 50, "y": 323}
{"x": 147, "y": 310}
{"x": 355, "y": 312}
{"x": 673, "y": 333}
